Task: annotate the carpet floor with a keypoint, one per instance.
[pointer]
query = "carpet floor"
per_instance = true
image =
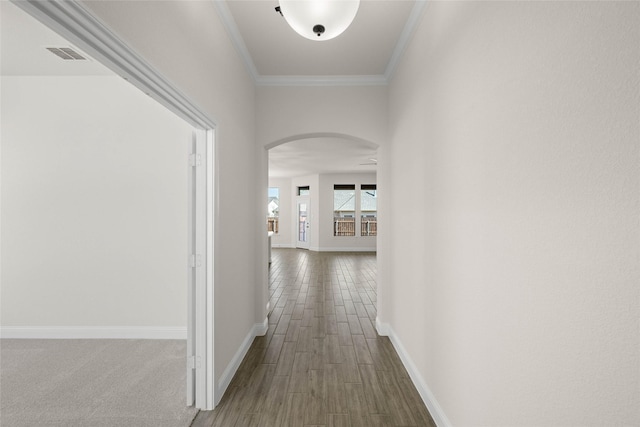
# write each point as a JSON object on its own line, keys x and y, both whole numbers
{"x": 93, "y": 383}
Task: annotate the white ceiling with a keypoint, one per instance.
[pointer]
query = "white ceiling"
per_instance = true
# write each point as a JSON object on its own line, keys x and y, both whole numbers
{"x": 365, "y": 52}
{"x": 364, "y": 49}
{"x": 272, "y": 51}
{"x": 321, "y": 155}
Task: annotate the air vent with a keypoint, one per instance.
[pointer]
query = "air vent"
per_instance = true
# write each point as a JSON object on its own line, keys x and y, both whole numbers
{"x": 371, "y": 162}
{"x": 66, "y": 53}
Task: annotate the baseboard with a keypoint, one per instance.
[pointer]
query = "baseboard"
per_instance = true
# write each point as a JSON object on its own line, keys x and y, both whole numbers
{"x": 427, "y": 396}
{"x": 283, "y": 246}
{"x": 258, "y": 329}
{"x": 93, "y": 332}
{"x": 317, "y": 249}
{"x": 382, "y": 328}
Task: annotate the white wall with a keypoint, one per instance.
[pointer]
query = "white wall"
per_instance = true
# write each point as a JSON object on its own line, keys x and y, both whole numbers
{"x": 513, "y": 283}
{"x": 94, "y": 208}
{"x": 284, "y": 112}
{"x": 321, "y": 212}
{"x": 194, "y": 52}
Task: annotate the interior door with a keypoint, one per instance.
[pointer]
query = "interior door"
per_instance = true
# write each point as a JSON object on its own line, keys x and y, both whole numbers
{"x": 303, "y": 223}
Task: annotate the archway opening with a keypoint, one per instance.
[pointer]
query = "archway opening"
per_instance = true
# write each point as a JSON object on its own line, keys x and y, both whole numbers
{"x": 316, "y": 177}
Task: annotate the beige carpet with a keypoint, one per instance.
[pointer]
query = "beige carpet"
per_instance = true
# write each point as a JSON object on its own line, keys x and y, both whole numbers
{"x": 93, "y": 383}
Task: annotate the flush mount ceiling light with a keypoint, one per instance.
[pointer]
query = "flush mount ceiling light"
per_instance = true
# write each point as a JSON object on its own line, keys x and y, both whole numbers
{"x": 319, "y": 20}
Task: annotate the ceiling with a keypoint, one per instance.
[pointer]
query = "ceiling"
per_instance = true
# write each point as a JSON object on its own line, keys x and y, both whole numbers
{"x": 321, "y": 155}
{"x": 366, "y": 48}
{"x": 273, "y": 53}
{"x": 23, "y": 43}
{"x": 364, "y": 54}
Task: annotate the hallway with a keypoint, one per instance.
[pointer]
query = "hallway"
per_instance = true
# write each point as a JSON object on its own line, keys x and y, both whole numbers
{"x": 321, "y": 362}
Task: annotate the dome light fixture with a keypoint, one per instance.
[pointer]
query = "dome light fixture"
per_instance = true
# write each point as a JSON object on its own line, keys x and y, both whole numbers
{"x": 319, "y": 20}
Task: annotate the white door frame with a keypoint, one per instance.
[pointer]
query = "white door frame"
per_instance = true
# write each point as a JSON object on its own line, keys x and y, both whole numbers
{"x": 200, "y": 392}
{"x": 76, "y": 24}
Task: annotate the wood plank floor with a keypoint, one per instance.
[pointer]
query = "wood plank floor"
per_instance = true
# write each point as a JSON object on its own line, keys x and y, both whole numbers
{"x": 321, "y": 362}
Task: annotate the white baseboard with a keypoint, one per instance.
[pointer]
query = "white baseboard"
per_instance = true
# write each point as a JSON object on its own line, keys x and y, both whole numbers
{"x": 94, "y": 332}
{"x": 317, "y": 249}
{"x": 283, "y": 246}
{"x": 258, "y": 329}
{"x": 382, "y": 328}
{"x": 427, "y": 396}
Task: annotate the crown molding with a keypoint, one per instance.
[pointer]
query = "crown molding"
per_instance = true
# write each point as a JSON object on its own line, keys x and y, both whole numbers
{"x": 355, "y": 80}
{"x": 374, "y": 80}
{"x": 236, "y": 38}
{"x": 405, "y": 37}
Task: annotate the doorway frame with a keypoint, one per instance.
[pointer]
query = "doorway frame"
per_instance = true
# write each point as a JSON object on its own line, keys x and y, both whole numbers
{"x": 76, "y": 24}
{"x": 200, "y": 270}
{"x": 303, "y": 200}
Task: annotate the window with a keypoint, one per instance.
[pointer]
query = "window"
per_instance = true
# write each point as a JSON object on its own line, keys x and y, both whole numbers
{"x": 273, "y": 209}
{"x": 344, "y": 210}
{"x": 368, "y": 210}
{"x": 303, "y": 191}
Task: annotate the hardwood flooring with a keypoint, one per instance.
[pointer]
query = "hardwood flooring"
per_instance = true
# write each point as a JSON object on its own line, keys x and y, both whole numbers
{"x": 321, "y": 362}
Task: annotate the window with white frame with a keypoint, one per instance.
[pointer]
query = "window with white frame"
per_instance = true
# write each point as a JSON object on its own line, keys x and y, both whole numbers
{"x": 273, "y": 209}
{"x": 368, "y": 210}
{"x": 344, "y": 210}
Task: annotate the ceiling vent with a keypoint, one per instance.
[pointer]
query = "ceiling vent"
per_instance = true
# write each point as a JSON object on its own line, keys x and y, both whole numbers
{"x": 371, "y": 162}
{"x": 66, "y": 53}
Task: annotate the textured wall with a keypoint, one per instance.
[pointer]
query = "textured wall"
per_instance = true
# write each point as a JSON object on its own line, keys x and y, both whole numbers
{"x": 514, "y": 155}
